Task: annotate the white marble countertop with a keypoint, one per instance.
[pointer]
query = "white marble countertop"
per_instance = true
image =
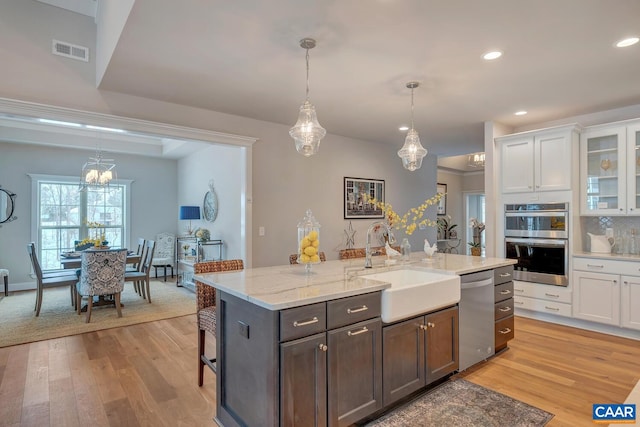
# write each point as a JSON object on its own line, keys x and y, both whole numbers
{"x": 620, "y": 257}
{"x": 286, "y": 286}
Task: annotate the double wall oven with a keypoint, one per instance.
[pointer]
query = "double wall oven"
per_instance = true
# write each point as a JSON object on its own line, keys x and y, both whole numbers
{"x": 537, "y": 236}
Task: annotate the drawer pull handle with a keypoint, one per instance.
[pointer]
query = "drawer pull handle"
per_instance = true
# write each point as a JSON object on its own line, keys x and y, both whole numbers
{"x": 357, "y": 310}
{"x": 504, "y": 331}
{"x": 505, "y": 309}
{"x": 518, "y": 290}
{"x": 519, "y": 302}
{"x": 552, "y": 295}
{"x": 551, "y": 308}
{"x": 323, "y": 347}
{"x": 505, "y": 275}
{"x": 305, "y": 322}
{"x": 361, "y": 331}
{"x": 505, "y": 292}
{"x": 431, "y": 325}
{"x": 595, "y": 266}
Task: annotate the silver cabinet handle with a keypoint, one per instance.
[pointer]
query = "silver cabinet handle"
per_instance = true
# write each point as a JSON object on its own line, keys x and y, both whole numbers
{"x": 504, "y": 331}
{"x": 322, "y": 347}
{"x": 518, "y": 290}
{"x": 505, "y": 292}
{"x": 361, "y": 331}
{"x": 505, "y": 309}
{"x": 423, "y": 327}
{"x": 505, "y": 275}
{"x": 305, "y": 322}
{"x": 551, "y": 308}
{"x": 431, "y": 325}
{"x": 595, "y": 266}
{"x": 357, "y": 310}
{"x": 519, "y": 302}
{"x": 552, "y": 295}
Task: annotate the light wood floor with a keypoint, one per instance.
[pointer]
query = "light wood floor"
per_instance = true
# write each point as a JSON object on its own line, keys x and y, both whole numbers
{"x": 146, "y": 375}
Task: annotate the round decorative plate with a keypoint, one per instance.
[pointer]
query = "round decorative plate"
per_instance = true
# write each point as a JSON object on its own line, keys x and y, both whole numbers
{"x": 210, "y": 206}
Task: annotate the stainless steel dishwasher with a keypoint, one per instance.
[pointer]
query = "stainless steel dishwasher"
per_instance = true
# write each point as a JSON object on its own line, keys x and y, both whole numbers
{"x": 477, "y": 339}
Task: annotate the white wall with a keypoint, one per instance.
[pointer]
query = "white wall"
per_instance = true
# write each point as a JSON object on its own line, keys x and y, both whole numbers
{"x": 153, "y": 201}
{"x": 223, "y": 164}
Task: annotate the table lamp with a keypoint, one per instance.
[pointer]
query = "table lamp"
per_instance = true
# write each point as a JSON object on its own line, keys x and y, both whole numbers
{"x": 189, "y": 212}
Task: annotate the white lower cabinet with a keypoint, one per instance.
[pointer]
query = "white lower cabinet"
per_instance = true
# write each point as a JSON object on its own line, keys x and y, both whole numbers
{"x": 605, "y": 292}
{"x": 596, "y": 297}
{"x": 542, "y": 298}
{"x": 630, "y": 300}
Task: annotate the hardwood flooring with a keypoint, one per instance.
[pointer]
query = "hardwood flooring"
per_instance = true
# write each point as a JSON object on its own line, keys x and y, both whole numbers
{"x": 146, "y": 375}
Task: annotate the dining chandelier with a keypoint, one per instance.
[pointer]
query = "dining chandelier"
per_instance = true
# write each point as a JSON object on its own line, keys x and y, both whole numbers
{"x": 97, "y": 173}
{"x": 307, "y": 132}
{"x": 476, "y": 160}
{"x": 412, "y": 151}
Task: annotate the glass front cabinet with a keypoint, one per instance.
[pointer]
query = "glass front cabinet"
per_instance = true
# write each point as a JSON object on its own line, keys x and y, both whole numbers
{"x": 610, "y": 169}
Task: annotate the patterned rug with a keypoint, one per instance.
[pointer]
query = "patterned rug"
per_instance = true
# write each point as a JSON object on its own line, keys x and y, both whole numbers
{"x": 57, "y": 318}
{"x": 461, "y": 403}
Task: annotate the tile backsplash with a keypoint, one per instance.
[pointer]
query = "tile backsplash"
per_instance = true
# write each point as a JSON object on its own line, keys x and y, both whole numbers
{"x": 626, "y": 232}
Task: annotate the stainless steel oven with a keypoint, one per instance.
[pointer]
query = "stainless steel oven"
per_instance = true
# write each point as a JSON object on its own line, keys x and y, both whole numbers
{"x": 536, "y": 236}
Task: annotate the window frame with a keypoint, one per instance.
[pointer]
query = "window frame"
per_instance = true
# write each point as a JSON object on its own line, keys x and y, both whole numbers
{"x": 36, "y": 179}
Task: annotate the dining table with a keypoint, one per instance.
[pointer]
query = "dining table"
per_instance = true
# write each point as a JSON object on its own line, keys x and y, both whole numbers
{"x": 75, "y": 262}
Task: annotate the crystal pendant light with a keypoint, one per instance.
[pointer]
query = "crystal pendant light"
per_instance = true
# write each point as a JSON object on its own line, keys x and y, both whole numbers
{"x": 97, "y": 173}
{"x": 476, "y": 160}
{"x": 307, "y": 132}
{"x": 412, "y": 151}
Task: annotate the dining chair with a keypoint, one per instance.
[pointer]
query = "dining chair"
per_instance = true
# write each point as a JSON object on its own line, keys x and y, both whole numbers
{"x": 140, "y": 278}
{"x": 361, "y": 252}
{"x": 49, "y": 279}
{"x": 206, "y": 307}
{"x": 101, "y": 273}
{"x": 164, "y": 253}
{"x": 139, "y": 249}
{"x": 293, "y": 258}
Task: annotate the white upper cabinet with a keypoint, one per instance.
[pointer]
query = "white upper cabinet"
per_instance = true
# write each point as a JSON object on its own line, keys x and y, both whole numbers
{"x": 610, "y": 169}
{"x": 537, "y": 161}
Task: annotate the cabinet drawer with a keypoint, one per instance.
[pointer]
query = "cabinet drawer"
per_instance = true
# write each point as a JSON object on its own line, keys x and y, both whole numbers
{"x": 598, "y": 265}
{"x": 504, "y": 309}
{"x": 354, "y": 309}
{"x": 302, "y": 321}
{"x": 545, "y": 292}
{"x": 503, "y": 274}
{"x": 558, "y": 308}
{"x": 503, "y": 291}
{"x": 504, "y": 331}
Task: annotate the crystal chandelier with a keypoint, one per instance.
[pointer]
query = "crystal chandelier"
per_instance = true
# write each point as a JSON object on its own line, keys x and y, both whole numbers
{"x": 97, "y": 173}
{"x": 476, "y": 160}
{"x": 412, "y": 151}
{"x": 307, "y": 132}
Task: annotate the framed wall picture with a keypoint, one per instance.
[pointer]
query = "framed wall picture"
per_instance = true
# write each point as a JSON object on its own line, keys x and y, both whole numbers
{"x": 442, "y": 203}
{"x": 357, "y": 192}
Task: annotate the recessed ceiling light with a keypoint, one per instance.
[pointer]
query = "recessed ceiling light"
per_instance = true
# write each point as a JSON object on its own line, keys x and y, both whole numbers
{"x": 627, "y": 42}
{"x": 520, "y": 113}
{"x": 492, "y": 55}
{"x": 403, "y": 128}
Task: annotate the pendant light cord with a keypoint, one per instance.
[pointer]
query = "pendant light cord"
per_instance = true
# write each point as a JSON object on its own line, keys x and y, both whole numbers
{"x": 307, "y": 74}
{"x": 411, "y": 108}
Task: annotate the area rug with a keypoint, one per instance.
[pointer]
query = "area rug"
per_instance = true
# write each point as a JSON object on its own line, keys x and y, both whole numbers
{"x": 18, "y": 324}
{"x": 461, "y": 403}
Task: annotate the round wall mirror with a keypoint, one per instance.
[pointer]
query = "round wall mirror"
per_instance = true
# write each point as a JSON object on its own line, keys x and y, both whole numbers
{"x": 7, "y": 205}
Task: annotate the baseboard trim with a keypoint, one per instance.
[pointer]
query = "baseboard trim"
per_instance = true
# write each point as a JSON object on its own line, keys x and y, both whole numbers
{"x": 580, "y": 324}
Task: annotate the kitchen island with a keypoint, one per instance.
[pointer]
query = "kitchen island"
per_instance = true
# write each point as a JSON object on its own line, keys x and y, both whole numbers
{"x": 307, "y": 349}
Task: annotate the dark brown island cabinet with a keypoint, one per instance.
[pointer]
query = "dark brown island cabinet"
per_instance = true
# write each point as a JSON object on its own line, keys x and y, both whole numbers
{"x": 323, "y": 364}
{"x": 504, "y": 320}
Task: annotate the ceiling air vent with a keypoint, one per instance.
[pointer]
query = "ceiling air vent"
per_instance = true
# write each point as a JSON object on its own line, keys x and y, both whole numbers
{"x": 71, "y": 50}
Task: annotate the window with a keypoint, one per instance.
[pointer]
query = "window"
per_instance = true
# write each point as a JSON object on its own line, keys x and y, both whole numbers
{"x": 62, "y": 212}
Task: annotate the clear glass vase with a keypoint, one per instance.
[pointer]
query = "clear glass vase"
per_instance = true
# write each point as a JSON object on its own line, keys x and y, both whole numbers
{"x": 308, "y": 241}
